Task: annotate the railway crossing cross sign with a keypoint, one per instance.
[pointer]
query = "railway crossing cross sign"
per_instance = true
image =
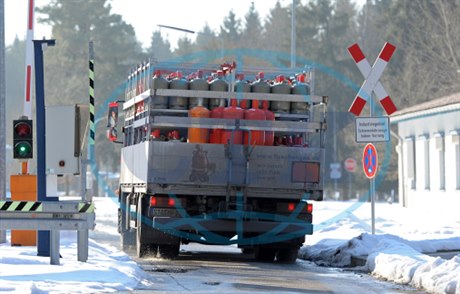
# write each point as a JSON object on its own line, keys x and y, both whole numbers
{"x": 370, "y": 161}
{"x": 372, "y": 76}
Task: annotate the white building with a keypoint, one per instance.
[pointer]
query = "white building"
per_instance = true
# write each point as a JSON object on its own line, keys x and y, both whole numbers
{"x": 429, "y": 153}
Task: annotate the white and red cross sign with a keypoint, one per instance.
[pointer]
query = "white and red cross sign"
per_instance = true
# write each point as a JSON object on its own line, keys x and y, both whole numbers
{"x": 372, "y": 76}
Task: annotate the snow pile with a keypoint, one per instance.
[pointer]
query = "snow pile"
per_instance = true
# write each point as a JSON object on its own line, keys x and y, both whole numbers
{"x": 389, "y": 256}
{"x": 402, "y": 264}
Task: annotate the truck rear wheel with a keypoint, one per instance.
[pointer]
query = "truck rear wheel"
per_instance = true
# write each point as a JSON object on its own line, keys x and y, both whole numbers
{"x": 143, "y": 246}
{"x": 287, "y": 254}
{"x": 169, "y": 251}
{"x": 127, "y": 237}
{"x": 264, "y": 253}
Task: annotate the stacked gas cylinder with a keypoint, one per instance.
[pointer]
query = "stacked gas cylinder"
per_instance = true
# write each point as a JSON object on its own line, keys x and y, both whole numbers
{"x": 236, "y": 108}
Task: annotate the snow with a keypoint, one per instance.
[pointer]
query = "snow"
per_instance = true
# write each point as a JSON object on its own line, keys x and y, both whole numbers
{"x": 343, "y": 231}
{"x": 107, "y": 269}
{"x": 397, "y": 252}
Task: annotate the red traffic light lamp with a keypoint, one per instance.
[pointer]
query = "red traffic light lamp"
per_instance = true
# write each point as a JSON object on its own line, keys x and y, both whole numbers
{"x": 22, "y": 139}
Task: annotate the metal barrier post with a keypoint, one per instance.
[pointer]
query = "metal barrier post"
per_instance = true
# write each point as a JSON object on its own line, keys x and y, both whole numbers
{"x": 82, "y": 245}
{"x": 54, "y": 247}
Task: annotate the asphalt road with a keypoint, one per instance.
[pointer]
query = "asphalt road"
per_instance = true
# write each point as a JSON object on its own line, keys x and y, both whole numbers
{"x": 223, "y": 269}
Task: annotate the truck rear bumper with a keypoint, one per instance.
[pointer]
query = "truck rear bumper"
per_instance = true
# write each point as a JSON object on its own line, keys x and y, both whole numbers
{"x": 229, "y": 226}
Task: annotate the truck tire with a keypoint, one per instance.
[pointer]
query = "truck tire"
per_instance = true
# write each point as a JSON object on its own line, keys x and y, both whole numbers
{"x": 127, "y": 237}
{"x": 169, "y": 251}
{"x": 287, "y": 254}
{"x": 142, "y": 247}
{"x": 264, "y": 253}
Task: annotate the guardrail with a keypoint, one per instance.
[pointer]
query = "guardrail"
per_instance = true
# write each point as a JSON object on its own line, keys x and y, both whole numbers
{"x": 53, "y": 216}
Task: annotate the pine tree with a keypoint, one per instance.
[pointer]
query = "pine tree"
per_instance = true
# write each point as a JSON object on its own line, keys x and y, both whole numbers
{"x": 184, "y": 47}
{"x": 230, "y": 31}
{"x": 277, "y": 30}
{"x": 160, "y": 49}
{"x": 74, "y": 24}
{"x": 253, "y": 30}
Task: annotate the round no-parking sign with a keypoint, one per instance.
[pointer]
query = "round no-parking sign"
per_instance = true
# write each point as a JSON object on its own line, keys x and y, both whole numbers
{"x": 370, "y": 161}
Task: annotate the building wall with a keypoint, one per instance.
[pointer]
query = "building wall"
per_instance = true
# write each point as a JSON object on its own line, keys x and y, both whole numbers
{"x": 430, "y": 160}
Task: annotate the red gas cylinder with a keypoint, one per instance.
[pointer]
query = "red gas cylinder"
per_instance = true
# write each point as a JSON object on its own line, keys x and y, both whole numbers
{"x": 217, "y": 84}
{"x": 260, "y": 86}
{"x": 241, "y": 87}
{"x": 281, "y": 86}
{"x": 198, "y": 135}
{"x": 215, "y": 135}
{"x": 159, "y": 82}
{"x": 301, "y": 88}
{"x": 198, "y": 83}
{"x": 178, "y": 83}
{"x": 232, "y": 112}
{"x": 269, "y": 115}
{"x": 254, "y": 113}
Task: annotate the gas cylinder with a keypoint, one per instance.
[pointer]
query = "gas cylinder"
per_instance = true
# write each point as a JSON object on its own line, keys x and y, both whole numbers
{"x": 269, "y": 115}
{"x": 241, "y": 87}
{"x": 300, "y": 88}
{"x": 159, "y": 82}
{"x": 178, "y": 83}
{"x": 215, "y": 135}
{"x": 232, "y": 112}
{"x": 197, "y": 135}
{"x": 281, "y": 87}
{"x": 254, "y": 113}
{"x": 198, "y": 83}
{"x": 217, "y": 84}
{"x": 260, "y": 86}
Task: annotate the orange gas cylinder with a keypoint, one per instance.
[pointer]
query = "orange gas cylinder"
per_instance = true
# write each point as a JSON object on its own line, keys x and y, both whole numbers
{"x": 232, "y": 112}
{"x": 215, "y": 135}
{"x": 197, "y": 135}
{"x": 254, "y": 113}
{"x": 269, "y": 115}
{"x": 241, "y": 87}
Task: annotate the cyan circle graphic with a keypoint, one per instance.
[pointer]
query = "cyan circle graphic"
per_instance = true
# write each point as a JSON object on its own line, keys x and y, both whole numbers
{"x": 276, "y": 60}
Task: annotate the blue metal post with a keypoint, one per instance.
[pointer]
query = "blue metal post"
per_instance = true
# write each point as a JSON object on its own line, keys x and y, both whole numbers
{"x": 43, "y": 246}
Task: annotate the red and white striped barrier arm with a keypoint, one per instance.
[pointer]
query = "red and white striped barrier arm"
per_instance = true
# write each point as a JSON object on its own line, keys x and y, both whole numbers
{"x": 29, "y": 59}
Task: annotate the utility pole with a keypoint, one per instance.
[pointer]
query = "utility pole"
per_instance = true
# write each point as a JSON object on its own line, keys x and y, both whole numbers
{"x": 293, "y": 35}
{"x": 2, "y": 112}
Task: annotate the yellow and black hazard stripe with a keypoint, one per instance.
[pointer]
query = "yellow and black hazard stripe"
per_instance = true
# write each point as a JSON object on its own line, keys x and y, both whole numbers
{"x": 21, "y": 206}
{"x": 91, "y": 95}
{"x": 85, "y": 207}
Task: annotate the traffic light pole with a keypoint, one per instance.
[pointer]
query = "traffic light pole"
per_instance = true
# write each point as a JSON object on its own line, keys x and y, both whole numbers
{"x": 2, "y": 112}
{"x": 43, "y": 246}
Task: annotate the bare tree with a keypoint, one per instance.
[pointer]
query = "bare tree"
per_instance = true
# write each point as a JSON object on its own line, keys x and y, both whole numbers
{"x": 430, "y": 45}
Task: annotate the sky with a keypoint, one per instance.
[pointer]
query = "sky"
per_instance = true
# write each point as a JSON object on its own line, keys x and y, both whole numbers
{"x": 146, "y": 15}
{"x": 396, "y": 253}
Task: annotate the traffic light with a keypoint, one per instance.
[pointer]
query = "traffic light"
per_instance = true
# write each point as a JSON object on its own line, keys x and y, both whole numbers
{"x": 22, "y": 139}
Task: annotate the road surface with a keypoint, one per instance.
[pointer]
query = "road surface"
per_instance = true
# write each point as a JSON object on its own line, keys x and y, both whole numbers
{"x": 224, "y": 269}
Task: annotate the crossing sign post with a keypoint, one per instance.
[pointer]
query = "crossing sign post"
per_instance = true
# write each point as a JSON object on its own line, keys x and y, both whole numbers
{"x": 371, "y": 129}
